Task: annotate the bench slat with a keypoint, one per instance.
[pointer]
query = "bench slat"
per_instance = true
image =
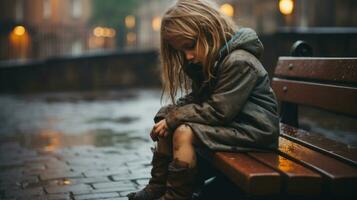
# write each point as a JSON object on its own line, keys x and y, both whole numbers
{"x": 334, "y": 98}
{"x": 323, "y": 69}
{"x": 247, "y": 173}
{"x": 320, "y": 143}
{"x": 298, "y": 180}
{"x": 342, "y": 178}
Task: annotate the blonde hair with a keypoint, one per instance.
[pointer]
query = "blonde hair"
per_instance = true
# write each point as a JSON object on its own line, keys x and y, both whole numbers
{"x": 197, "y": 20}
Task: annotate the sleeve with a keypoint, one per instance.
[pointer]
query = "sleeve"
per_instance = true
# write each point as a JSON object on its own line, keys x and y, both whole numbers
{"x": 235, "y": 83}
{"x": 161, "y": 114}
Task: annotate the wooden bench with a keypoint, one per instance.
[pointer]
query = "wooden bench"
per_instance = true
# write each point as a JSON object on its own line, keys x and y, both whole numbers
{"x": 305, "y": 165}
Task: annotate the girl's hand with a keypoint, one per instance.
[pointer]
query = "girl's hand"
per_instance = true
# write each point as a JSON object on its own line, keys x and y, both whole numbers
{"x": 160, "y": 129}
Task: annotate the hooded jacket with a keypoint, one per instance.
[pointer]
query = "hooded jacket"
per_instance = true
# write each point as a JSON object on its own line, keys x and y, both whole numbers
{"x": 235, "y": 111}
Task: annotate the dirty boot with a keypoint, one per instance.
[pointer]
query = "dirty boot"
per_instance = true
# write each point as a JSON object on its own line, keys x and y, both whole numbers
{"x": 181, "y": 181}
{"x": 157, "y": 184}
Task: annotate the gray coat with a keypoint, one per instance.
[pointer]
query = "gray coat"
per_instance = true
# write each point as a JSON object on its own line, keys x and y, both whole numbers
{"x": 237, "y": 110}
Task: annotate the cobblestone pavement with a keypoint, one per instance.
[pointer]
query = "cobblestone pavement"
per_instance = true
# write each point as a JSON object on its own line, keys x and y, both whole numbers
{"x": 104, "y": 154}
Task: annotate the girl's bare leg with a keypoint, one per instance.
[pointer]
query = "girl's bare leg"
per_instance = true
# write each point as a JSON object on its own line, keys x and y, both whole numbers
{"x": 182, "y": 171}
{"x": 183, "y": 145}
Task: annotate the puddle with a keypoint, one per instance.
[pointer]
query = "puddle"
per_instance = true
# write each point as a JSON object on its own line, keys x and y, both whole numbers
{"x": 58, "y": 120}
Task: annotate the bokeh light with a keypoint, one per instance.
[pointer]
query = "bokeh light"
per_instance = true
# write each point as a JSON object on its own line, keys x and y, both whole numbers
{"x": 227, "y": 9}
{"x": 130, "y": 21}
{"x": 286, "y": 7}
{"x": 19, "y": 30}
{"x": 131, "y": 37}
{"x": 156, "y": 23}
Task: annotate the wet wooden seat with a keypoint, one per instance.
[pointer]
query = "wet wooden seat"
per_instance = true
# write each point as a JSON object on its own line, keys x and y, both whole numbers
{"x": 305, "y": 165}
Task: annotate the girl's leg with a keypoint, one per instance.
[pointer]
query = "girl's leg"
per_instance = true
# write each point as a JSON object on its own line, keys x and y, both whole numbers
{"x": 182, "y": 171}
{"x": 183, "y": 145}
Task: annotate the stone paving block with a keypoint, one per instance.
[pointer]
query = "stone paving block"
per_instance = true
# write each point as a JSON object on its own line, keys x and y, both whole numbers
{"x": 94, "y": 173}
{"x": 57, "y": 166}
{"x": 25, "y": 153}
{"x": 89, "y": 180}
{"x": 9, "y": 146}
{"x": 55, "y": 175}
{"x": 105, "y": 190}
{"x": 7, "y": 163}
{"x": 124, "y": 193}
{"x": 138, "y": 163}
{"x": 13, "y": 175}
{"x": 58, "y": 196}
{"x": 142, "y": 182}
{"x": 127, "y": 158}
{"x": 34, "y": 166}
{"x": 4, "y": 186}
{"x": 29, "y": 180}
{"x": 33, "y": 191}
{"x": 21, "y": 194}
{"x": 88, "y": 168}
{"x": 142, "y": 170}
{"x": 33, "y": 172}
{"x": 68, "y": 188}
{"x": 113, "y": 185}
{"x": 41, "y": 159}
{"x": 130, "y": 177}
{"x": 96, "y": 196}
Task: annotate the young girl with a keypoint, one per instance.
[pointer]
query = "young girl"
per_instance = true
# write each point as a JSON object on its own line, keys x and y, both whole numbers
{"x": 230, "y": 107}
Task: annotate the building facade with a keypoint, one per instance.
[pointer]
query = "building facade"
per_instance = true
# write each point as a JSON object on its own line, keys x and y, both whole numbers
{"x": 265, "y": 16}
{"x": 43, "y": 28}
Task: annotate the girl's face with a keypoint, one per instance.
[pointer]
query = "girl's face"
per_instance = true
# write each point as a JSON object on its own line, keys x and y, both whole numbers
{"x": 192, "y": 53}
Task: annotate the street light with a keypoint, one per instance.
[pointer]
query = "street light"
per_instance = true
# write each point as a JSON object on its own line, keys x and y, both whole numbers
{"x": 227, "y": 9}
{"x": 19, "y": 30}
{"x": 286, "y": 7}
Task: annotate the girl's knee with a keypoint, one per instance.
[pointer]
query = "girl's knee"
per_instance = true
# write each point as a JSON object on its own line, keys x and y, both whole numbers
{"x": 183, "y": 135}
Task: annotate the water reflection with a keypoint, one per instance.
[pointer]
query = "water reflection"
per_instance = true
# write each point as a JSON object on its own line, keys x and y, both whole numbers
{"x": 57, "y": 120}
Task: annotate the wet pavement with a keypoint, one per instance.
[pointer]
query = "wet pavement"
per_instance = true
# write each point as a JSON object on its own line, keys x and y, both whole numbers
{"x": 75, "y": 145}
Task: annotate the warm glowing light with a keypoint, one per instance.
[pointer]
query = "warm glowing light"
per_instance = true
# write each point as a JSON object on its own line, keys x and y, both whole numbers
{"x": 130, "y": 37}
{"x": 286, "y": 7}
{"x": 130, "y": 21}
{"x": 98, "y": 31}
{"x": 104, "y": 32}
{"x": 66, "y": 182}
{"x": 156, "y": 23}
{"x": 111, "y": 32}
{"x": 19, "y": 30}
{"x": 227, "y": 9}
{"x": 53, "y": 139}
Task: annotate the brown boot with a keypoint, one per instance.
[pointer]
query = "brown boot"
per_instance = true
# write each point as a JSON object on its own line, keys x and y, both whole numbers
{"x": 157, "y": 184}
{"x": 180, "y": 181}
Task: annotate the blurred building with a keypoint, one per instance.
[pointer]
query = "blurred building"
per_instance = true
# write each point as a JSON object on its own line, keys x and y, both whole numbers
{"x": 43, "y": 28}
{"x": 149, "y": 17}
{"x": 265, "y": 16}
{"x": 47, "y": 28}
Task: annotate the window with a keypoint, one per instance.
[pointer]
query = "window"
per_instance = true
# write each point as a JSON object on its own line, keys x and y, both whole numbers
{"x": 76, "y": 48}
{"x": 19, "y": 10}
{"x": 46, "y": 9}
{"x": 76, "y": 8}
